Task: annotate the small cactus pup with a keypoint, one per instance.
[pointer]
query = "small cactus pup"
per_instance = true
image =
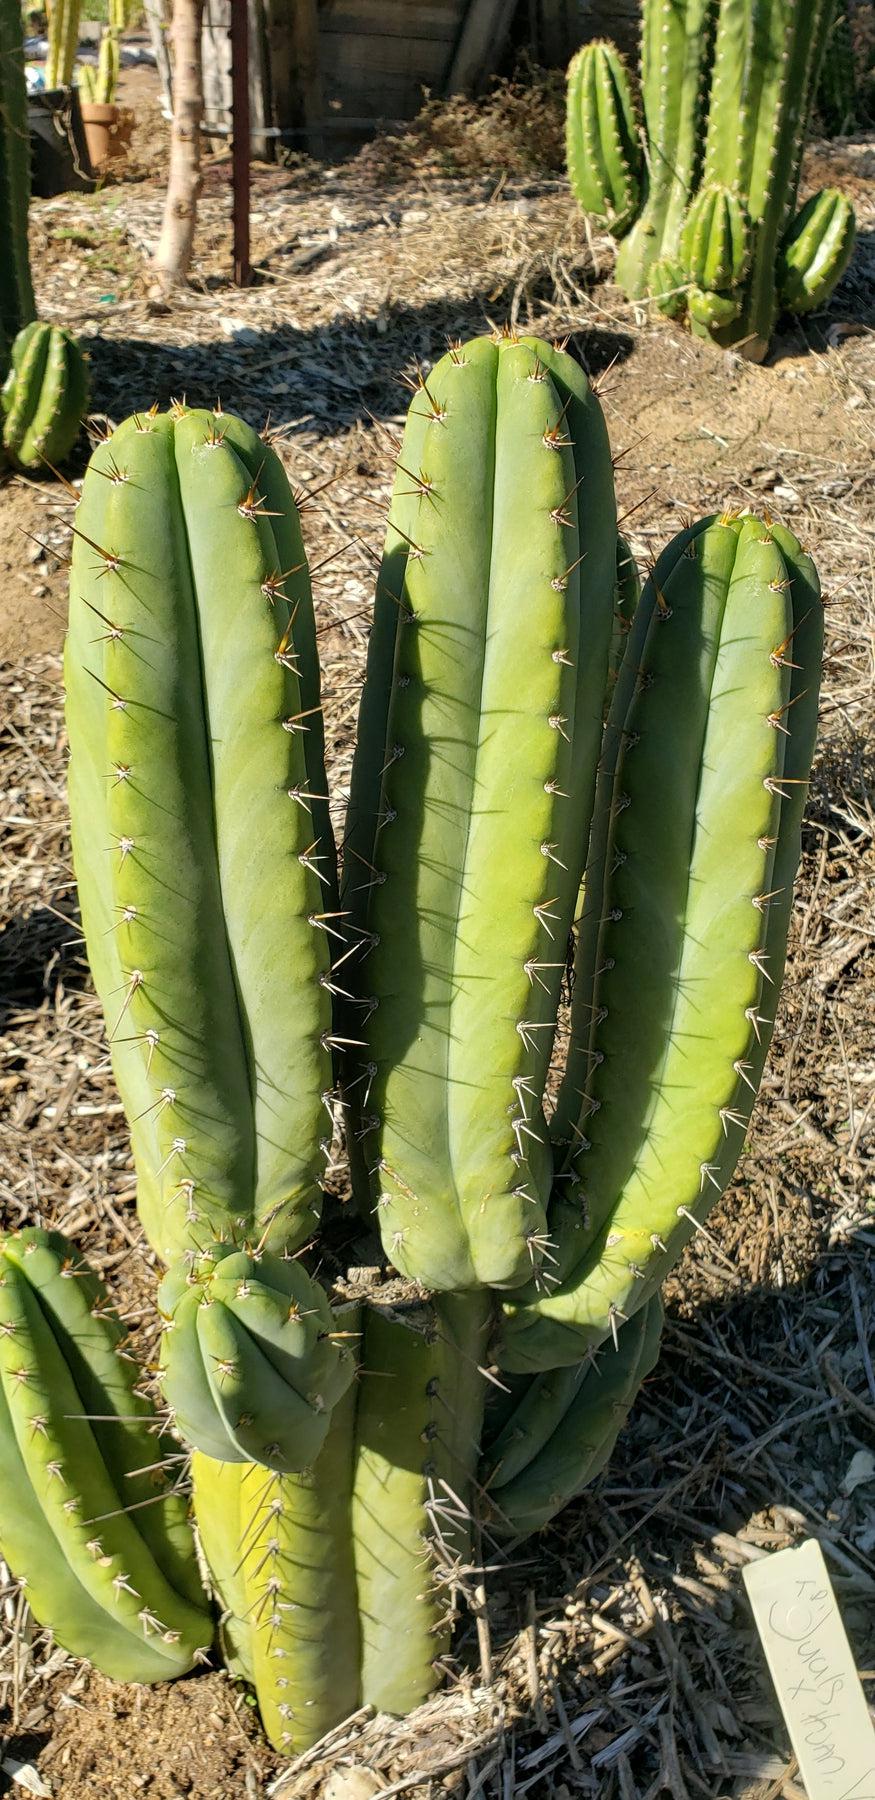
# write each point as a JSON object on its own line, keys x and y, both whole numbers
{"x": 686, "y": 907}
{"x": 89, "y": 1521}
{"x": 251, "y": 1360}
{"x": 44, "y": 397}
{"x": 470, "y": 799}
{"x": 816, "y": 251}
{"x": 337, "y": 1584}
{"x": 563, "y": 1427}
{"x": 601, "y": 138}
{"x": 201, "y": 840}
{"x": 16, "y": 287}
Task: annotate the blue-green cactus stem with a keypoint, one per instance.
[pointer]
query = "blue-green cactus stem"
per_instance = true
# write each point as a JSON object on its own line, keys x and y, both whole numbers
{"x": 418, "y": 1427}
{"x": 44, "y": 396}
{"x": 16, "y": 287}
{"x": 676, "y": 38}
{"x": 279, "y": 1550}
{"x": 601, "y": 138}
{"x": 200, "y": 838}
{"x": 816, "y": 251}
{"x": 684, "y": 923}
{"x": 477, "y": 814}
{"x": 251, "y": 1364}
{"x": 88, "y": 1518}
{"x": 565, "y": 1427}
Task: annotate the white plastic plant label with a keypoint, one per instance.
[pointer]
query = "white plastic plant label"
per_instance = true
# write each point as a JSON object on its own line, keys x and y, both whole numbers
{"x": 808, "y": 1653}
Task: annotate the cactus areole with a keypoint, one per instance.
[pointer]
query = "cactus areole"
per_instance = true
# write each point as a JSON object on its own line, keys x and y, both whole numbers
{"x": 539, "y": 1004}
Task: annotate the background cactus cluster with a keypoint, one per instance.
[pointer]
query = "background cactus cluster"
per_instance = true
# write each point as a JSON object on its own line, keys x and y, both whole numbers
{"x": 701, "y": 189}
{"x": 362, "y": 1380}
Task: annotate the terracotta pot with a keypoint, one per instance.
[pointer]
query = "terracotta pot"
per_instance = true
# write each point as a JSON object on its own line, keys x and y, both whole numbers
{"x": 107, "y": 133}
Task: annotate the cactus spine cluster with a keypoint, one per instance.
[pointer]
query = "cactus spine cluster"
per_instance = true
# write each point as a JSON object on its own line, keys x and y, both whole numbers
{"x": 343, "y": 1447}
{"x": 16, "y": 287}
{"x": 44, "y": 397}
{"x": 727, "y": 87}
{"x": 89, "y": 1520}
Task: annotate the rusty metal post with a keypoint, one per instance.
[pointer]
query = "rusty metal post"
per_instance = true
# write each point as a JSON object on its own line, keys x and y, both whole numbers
{"x": 240, "y": 139}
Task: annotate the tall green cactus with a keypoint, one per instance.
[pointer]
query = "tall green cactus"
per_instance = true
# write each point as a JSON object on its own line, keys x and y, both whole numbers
{"x": 470, "y": 800}
{"x": 16, "y": 287}
{"x": 529, "y": 1225}
{"x": 727, "y": 88}
{"x": 197, "y": 776}
{"x": 89, "y": 1521}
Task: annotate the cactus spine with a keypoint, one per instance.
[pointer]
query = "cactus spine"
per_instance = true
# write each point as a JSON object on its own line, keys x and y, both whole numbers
{"x": 470, "y": 800}
{"x": 88, "y": 1520}
{"x": 16, "y": 287}
{"x": 197, "y": 774}
{"x": 727, "y": 88}
{"x": 44, "y": 397}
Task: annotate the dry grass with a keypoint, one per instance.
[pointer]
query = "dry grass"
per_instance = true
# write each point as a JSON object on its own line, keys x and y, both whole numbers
{"x": 620, "y": 1655}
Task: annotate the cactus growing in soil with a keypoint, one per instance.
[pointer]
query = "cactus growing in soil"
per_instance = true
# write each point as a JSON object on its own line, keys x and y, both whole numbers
{"x": 44, "y": 396}
{"x": 521, "y": 1227}
{"x": 89, "y": 1521}
{"x": 16, "y": 287}
{"x": 197, "y": 777}
{"x": 727, "y": 88}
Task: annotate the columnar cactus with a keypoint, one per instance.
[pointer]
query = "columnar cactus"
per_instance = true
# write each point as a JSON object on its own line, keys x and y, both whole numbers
{"x": 64, "y": 18}
{"x": 98, "y": 86}
{"x": 16, "y": 287}
{"x": 687, "y": 901}
{"x": 89, "y": 1521}
{"x": 470, "y": 800}
{"x": 201, "y": 839}
{"x": 530, "y": 1220}
{"x": 44, "y": 397}
{"x": 727, "y": 87}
